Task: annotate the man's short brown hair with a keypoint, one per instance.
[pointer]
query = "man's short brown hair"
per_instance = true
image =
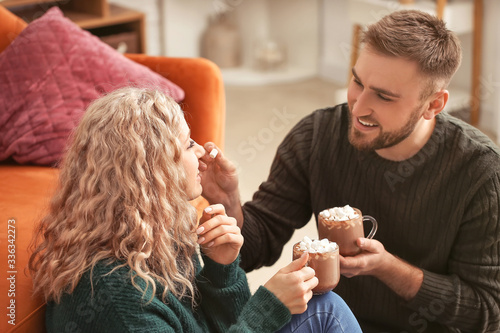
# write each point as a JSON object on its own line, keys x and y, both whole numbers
{"x": 420, "y": 37}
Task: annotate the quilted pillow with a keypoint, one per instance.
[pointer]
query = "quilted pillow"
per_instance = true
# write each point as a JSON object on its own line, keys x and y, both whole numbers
{"x": 48, "y": 76}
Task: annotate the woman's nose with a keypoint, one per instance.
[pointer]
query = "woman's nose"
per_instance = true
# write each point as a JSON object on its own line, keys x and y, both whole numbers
{"x": 200, "y": 151}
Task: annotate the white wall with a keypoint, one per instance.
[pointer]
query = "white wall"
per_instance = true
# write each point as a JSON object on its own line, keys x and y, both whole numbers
{"x": 335, "y": 41}
{"x": 253, "y": 18}
{"x": 490, "y": 77}
{"x": 296, "y": 23}
{"x": 293, "y": 22}
{"x": 184, "y": 21}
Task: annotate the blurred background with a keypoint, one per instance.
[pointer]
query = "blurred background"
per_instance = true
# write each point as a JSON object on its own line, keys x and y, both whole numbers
{"x": 265, "y": 42}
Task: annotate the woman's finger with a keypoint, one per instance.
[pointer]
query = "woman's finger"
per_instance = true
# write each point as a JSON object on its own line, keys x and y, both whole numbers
{"x": 214, "y": 223}
{"x": 311, "y": 283}
{"x": 212, "y": 210}
{"x": 209, "y": 213}
{"x": 219, "y": 231}
{"x": 228, "y": 238}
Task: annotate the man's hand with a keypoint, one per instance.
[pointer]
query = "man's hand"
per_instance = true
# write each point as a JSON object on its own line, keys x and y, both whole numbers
{"x": 403, "y": 278}
{"x": 219, "y": 179}
{"x": 366, "y": 263}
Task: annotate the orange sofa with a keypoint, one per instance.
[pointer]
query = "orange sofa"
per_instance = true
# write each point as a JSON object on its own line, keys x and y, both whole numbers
{"x": 25, "y": 190}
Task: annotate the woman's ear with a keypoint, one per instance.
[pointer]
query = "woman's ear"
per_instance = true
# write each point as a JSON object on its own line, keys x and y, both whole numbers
{"x": 436, "y": 103}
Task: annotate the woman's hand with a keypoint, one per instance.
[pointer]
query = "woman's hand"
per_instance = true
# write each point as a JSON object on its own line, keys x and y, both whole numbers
{"x": 293, "y": 284}
{"x": 219, "y": 236}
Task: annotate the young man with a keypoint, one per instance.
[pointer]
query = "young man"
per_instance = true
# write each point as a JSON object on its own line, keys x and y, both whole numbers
{"x": 431, "y": 181}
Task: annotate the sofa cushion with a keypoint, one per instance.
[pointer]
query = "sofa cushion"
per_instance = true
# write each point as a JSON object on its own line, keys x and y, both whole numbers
{"x": 48, "y": 76}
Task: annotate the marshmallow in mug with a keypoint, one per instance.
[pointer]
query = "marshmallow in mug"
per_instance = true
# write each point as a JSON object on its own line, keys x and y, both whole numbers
{"x": 339, "y": 213}
{"x": 317, "y": 246}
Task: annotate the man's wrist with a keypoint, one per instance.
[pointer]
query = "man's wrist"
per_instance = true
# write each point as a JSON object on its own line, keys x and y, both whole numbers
{"x": 232, "y": 204}
{"x": 403, "y": 278}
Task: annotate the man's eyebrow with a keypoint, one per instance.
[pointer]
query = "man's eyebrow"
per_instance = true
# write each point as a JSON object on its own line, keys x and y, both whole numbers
{"x": 379, "y": 90}
{"x": 355, "y": 74}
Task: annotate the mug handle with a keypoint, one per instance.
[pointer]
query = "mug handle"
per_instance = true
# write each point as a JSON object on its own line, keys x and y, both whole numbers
{"x": 374, "y": 227}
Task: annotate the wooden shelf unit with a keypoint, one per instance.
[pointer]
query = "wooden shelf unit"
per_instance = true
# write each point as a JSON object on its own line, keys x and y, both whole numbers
{"x": 87, "y": 14}
{"x": 14, "y": 3}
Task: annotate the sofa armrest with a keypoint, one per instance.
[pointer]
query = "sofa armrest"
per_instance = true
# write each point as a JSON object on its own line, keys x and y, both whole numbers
{"x": 10, "y": 27}
{"x": 202, "y": 83}
{"x": 26, "y": 192}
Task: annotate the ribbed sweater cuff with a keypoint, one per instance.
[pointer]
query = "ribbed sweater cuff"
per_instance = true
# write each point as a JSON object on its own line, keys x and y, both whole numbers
{"x": 220, "y": 275}
{"x": 265, "y": 310}
{"x": 435, "y": 289}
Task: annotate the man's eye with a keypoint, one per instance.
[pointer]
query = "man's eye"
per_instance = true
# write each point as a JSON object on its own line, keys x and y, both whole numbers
{"x": 357, "y": 82}
{"x": 382, "y": 97}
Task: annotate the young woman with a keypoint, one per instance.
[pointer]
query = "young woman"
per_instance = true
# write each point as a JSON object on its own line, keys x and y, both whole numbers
{"x": 118, "y": 250}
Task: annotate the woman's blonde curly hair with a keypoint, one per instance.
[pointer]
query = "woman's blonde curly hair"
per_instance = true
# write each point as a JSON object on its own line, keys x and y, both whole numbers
{"x": 121, "y": 198}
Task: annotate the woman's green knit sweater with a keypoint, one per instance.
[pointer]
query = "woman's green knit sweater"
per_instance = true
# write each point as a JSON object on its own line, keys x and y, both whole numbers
{"x": 112, "y": 304}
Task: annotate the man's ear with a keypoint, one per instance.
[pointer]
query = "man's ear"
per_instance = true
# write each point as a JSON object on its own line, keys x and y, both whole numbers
{"x": 436, "y": 103}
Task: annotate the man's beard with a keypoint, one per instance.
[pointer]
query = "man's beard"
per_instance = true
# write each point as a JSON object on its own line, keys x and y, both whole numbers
{"x": 384, "y": 139}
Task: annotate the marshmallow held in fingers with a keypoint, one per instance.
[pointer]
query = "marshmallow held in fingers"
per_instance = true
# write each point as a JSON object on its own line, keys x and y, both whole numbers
{"x": 214, "y": 153}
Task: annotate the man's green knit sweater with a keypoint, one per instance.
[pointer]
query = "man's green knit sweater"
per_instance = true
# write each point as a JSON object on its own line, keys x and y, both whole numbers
{"x": 112, "y": 304}
{"x": 438, "y": 210}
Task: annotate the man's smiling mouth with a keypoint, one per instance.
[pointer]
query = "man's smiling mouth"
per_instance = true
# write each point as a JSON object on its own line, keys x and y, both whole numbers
{"x": 364, "y": 123}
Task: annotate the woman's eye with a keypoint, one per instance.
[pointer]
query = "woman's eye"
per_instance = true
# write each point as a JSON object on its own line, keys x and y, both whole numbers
{"x": 191, "y": 144}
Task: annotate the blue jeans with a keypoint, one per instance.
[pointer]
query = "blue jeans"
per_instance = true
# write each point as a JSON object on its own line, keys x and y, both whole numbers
{"x": 325, "y": 313}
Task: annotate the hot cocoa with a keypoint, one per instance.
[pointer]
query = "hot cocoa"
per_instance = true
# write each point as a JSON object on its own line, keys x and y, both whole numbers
{"x": 324, "y": 259}
{"x": 344, "y": 225}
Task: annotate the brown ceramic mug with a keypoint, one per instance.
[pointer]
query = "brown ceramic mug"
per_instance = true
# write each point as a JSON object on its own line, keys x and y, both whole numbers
{"x": 326, "y": 265}
{"x": 345, "y": 233}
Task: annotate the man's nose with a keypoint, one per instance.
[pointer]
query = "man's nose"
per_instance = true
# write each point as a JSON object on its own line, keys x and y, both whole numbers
{"x": 361, "y": 105}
